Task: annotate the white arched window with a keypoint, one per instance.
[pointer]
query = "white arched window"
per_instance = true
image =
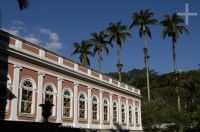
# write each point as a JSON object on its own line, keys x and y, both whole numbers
{"x": 130, "y": 113}
{"x": 123, "y": 116}
{"x": 49, "y": 95}
{"x": 67, "y": 103}
{"x": 115, "y": 112}
{"x": 27, "y": 96}
{"x": 136, "y": 115}
{"x": 82, "y": 106}
{"x": 94, "y": 108}
{"x": 105, "y": 110}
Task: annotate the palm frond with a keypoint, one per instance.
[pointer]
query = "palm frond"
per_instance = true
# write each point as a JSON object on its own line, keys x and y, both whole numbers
{"x": 23, "y": 4}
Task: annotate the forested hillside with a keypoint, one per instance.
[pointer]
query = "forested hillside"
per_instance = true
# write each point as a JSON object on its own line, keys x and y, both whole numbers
{"x": 163, "y": 105}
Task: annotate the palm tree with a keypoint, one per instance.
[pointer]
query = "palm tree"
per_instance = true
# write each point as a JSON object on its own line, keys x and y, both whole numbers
{"x": 84, "y": 49}
{"x": 173, "y": 29}
{"x": 23, "y": 4}
{"x": 100, "y": 43}
{"x": 117, "y": 33}
{"x": 143, "y": 19}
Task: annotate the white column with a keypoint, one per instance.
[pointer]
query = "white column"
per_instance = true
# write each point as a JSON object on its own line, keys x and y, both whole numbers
{"x": 59, "y": 100}
{"x": 60, "y": 61}
{"x": 111, "y": 111}
{"x": 39, "y": 96}
{"x": 75, "y": 103}
{"x": 41, "y": 54}
{"x": 127, "y": 113}
{"x": 15, "y": 91}
{"x": 140, "y": 115}
{"x": 89, "y": 106}
{"x": 101, "y": 107}
{"x": 18, "y": 44}
{"x": 119, "y": 111}
{"x": 134, "y": 121}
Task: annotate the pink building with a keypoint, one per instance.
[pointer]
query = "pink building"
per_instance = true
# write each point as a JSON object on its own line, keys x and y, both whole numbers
{"x": 82, "y": 97}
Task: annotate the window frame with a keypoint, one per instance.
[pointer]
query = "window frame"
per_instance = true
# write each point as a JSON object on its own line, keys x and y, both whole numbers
{"x": 117, "y": 111}
{"x": 106, "y": 105}
{"x": 33, "y": 94}
{"x": 85, "y": 105}
{"x": 54, "y": 96}
{"x": 97, "y": 111}
{"x": 71, "y": 102}
{"x": 123, "y": 108}
{"x": 130, "y": 109}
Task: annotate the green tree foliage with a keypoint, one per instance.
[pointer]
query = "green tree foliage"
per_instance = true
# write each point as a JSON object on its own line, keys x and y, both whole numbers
{"x": 162, "y": 108}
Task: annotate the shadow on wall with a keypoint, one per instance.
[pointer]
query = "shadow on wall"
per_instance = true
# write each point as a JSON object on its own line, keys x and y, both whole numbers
{"x": 118, "y": 128}
{"x": 5, "y": 81}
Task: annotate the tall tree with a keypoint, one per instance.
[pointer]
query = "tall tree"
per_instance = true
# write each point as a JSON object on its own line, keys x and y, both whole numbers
{"x": 117, "y": 33}
{"x": 23, "y": 4}
{"x": 84, "y": 49}
{"x": 173, "y": 29}
{"x": 100, "y": 43}
{"x": 143, "y": 19}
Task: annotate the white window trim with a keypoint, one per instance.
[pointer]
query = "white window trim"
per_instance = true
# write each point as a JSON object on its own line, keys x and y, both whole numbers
{"x": 81, "y": 92}
{"x": 94, "y": 96}
{"x": 33, "y": 94}
{"x": 116, "y": 110}
{"x": 124, "y": 113}
{"x": 54, "y": 96}
{"x": 108, "y": 112}
{"x": 71, "y": 102}
{"x": 130, "y": 108}
{"x": 137, "y": 110}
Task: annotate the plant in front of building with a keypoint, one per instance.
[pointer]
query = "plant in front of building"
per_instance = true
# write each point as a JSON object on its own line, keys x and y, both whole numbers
{"x": 46, "y": 110}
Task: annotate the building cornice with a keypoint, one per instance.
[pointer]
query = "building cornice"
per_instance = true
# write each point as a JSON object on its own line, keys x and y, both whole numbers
{"x": 17, "y": 51}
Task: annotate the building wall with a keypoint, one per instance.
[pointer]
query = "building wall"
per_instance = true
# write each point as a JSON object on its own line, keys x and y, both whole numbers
{"x": 37, "y": 74}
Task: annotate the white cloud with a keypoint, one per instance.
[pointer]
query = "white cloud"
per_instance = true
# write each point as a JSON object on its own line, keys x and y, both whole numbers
{"x": 16, "y": 22}
{"x": 54, "y": 37}
{"x": 12, "y": 31}
{"x": 53, "y": 44}
{"x": 18, "y": 27}
{"x": 32, "y": 39}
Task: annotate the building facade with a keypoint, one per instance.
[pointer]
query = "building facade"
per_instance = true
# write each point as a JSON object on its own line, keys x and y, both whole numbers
{"x": 82, "y": 97}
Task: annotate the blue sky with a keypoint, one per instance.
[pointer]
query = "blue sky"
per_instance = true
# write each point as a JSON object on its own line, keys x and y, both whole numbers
{"x": 57, "y": 26}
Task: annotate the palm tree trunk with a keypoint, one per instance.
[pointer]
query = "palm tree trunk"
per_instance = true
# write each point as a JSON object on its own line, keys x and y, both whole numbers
{"x": 146, "y": 57}
{"x": 176, "y": 78}
{"x": 99, "y": 60}
{"x": 118, "y": 62}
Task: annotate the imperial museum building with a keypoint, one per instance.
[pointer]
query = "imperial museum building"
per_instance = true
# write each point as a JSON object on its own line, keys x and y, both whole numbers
{"x": 82, "y": 97}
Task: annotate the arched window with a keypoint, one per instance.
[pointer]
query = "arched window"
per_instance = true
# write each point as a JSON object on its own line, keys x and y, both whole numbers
{"x": 130, "y": 113}
{"x": 82, "y": 106}
{"x": 115, "y": 112}
{"x": 67, "y": 103}
{"x": 123, "y": 113}
{"x": 49, "y": 93}
{"x": 105, "y": 110}
{"x": 26, "y": 96}
{"x": 136, "y": 115}
{"x": 94, "y": 108}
